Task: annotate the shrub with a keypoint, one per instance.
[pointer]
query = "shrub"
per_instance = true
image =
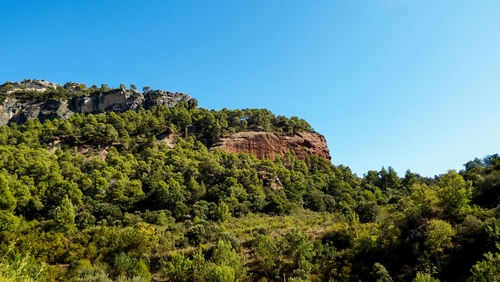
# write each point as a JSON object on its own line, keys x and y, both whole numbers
{"x": 486, "y": 270}
{"x": 424, "y": 277}
{"x": 439, "y": 234}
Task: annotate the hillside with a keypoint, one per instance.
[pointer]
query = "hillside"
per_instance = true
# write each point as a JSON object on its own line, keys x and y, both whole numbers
{"x": 100, "y": 184}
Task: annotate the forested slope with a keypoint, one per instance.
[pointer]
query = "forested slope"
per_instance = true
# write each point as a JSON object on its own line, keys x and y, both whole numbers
{"x": 99, "y": 198}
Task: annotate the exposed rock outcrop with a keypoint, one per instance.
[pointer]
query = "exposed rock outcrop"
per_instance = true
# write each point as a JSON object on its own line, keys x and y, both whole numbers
{"x": 268, "y": 144}
{"x": 114, "y": 100}
{"x": 168, "y": 138}
{"x": 29, "y": 85}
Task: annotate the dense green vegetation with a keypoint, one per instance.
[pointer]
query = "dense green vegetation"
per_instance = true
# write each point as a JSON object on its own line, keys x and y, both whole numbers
{"x": 98, "y": 198}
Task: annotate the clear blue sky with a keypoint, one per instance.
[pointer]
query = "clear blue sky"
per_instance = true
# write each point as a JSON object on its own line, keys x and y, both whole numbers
{"x": 412, "y": 84}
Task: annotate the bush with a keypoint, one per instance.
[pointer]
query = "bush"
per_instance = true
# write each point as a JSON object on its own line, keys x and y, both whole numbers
{"x": 439, "y": 234}
{"x": 380, "y": 274}
{"x": 367, "y": 211}
{"x": 21, "y": 268}
{"x": 93, "y": 274}
{"x": 8, "y": 221}
{"x": 487, "y": 269}
{"x": 424, "y": 277}
{"x": 178, "y": 268}
{"x": 229, "y": 264}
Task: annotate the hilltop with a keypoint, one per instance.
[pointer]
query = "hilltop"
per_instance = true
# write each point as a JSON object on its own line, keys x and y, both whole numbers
{"x": 42, "y": 100}
{"x": 30, "y": 99}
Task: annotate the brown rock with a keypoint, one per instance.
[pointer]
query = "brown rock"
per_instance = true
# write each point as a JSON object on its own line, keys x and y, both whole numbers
{"x": 168, "y": 139}
{"x": 268, "y": 144}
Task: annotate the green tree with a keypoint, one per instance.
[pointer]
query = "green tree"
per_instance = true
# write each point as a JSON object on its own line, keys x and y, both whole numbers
{"x": 228, "y": 264}
{"x": 222, "y": 212}
{"x": 179, "y": 268}
{"x": 389, "y": 179}
{"x": 439, "y": 235}
{"x": 455, "y": 194}
{"x": 268, "y": 253}
{"x": 221, "y": 273}
{"x": 300, "y": 250}
{"x": 367, "y": 211}
{"x": 7, "y": 199}
{"x": 64, "y": 216}
{"x": 421, "y": 200}
{"x": 8, "y": 221}
{"x": 380, "y": 273}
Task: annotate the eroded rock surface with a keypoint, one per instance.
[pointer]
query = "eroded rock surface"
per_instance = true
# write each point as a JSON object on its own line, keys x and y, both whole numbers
{"x": 29, "y": 85}
{"x": 268, "y": 144}
{"x": 114, "y": 100}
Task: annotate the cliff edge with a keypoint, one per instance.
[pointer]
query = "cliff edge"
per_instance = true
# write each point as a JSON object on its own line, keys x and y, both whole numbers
{"x": 268, "y": 144}
{"x": 20, "y": 102}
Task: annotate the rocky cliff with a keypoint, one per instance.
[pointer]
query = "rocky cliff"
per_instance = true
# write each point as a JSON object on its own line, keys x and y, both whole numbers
{"x": 13, "y": 109}
{"x": 268, "y": 144}
{"x": 39, "y": 99}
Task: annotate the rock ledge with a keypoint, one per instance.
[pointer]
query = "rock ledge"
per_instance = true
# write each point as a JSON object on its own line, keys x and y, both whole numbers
{"x": 268, "y": 144}
{"x": 113, "y": 100}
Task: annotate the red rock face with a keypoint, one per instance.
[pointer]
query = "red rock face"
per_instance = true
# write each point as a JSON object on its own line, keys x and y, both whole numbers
{"x": 267, "y": 144}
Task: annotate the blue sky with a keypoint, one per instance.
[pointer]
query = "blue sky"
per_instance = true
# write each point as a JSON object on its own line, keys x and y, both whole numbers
{"x": 408, "y": 84}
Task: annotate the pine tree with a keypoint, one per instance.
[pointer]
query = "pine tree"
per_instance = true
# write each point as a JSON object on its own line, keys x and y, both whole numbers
{"x": 223, "y": 213}
{"x": 7, "y": 200}
{"x": 64, "y": 215}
